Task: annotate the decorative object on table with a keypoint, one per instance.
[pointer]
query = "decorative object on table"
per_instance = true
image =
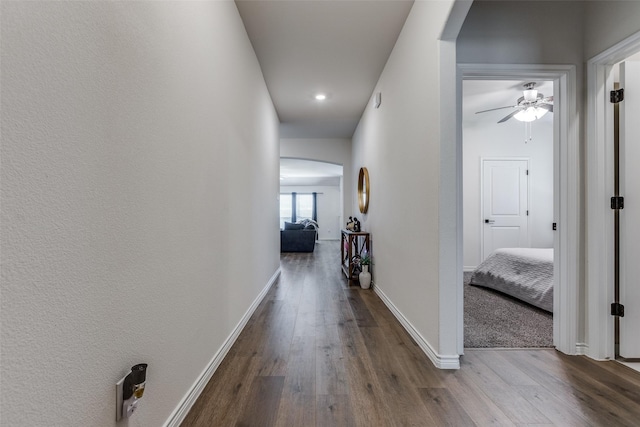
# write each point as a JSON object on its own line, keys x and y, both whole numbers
{"x": 354, "y": 244}
{"x": 350, "y": 224}
{"x": 363, "y": 190}
{"x": 357, "y": 267}
{"x": 356, "y": 225}
{"x": 365, "y": 276}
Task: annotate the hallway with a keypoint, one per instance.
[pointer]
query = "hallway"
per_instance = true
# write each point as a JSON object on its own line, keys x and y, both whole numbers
{"x": 319, "y": 353}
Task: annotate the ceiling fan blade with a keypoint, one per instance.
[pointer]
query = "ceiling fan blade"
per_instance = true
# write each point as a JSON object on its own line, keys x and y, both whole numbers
{"x": 494, "y": 109}
{"x": 504, "y": 119}
{"x": 548, "y": 107}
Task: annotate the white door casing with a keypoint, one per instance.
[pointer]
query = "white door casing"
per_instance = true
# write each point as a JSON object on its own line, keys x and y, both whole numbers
{"x": 567, "y": 199}
{"x": 600, "y": 177}
{"x": 505, "y": 204}
{"x": 630, "y": 190}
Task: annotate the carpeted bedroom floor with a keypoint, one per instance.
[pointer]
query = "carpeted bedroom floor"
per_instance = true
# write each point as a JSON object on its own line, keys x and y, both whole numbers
{"x": 495, "y": 320}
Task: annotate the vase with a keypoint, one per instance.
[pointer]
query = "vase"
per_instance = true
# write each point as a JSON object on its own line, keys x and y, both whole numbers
{"x": 365, "y": 277}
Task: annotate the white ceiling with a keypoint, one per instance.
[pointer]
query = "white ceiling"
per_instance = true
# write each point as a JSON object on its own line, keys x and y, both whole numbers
{"x": 481, "y": 95}
{"x": 309, "y": 172}
{"x": 338, "y": 48}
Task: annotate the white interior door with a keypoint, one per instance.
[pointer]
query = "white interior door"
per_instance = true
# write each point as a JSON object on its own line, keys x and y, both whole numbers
{"x": 630, "y": 215}
{"x": 505, "y": 204}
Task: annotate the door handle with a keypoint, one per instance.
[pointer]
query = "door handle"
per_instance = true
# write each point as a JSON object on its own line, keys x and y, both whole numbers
{"x": 489, "y": 221}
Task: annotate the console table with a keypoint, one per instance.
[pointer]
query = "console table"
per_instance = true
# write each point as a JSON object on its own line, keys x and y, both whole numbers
{"x": 352, "y": 246}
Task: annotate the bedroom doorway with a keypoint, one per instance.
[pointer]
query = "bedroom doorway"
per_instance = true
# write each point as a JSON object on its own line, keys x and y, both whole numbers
{"x": 509, "y": 191}
{"x": 567, "y": 332}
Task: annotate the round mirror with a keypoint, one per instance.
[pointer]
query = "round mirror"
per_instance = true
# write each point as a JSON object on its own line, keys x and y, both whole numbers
{"x": 363, "y": 190}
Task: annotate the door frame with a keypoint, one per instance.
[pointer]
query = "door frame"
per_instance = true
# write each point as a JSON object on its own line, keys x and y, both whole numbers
{"x": 482, "y": 216}
{"x": 566, "y": 189}
{"x": 599, "y": 257}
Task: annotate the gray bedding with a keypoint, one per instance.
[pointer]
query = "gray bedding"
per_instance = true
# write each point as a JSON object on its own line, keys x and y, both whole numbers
{"x": 523, "y": 273}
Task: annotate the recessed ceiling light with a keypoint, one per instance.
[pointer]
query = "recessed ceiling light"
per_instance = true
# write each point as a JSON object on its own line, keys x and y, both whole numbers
{"x": 321, "y": 97}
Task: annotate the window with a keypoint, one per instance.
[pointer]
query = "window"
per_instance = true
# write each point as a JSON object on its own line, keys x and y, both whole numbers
{"x": 304, "y": 206}
{"x": 295, "y": 206}
{"x": 285, "y": 209}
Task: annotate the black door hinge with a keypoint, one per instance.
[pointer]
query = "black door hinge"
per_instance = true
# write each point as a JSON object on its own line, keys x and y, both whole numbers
{"x": 617, "y": 309}
{"x": 617, "y": 96}
{"x": 555, "y": 226}
{"x": 617, "y": 202}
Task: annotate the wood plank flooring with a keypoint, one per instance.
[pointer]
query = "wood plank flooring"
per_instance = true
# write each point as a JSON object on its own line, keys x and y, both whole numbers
{"x": 320, "y": 353}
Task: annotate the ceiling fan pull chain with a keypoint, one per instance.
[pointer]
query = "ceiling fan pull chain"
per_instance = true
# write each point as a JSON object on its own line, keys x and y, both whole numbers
{"x": 527, "y": 132}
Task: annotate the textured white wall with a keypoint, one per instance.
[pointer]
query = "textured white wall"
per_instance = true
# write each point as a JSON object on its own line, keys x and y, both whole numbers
{"x": 489, "y": 139}
{"x": 399, "y": 143}
{"x": 336, "y": 151}
{"x": 329, "y": 214}
{"x": 508, "y": 32}
{"x": 607, "y": 23}
{"x": 522, "y": 32}
{"x": 129, "y": 216}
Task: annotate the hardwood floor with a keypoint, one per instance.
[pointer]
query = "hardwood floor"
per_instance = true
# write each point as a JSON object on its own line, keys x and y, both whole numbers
{"x": 320, "y": 353}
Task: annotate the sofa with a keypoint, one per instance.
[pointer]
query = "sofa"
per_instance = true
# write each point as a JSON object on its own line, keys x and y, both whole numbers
{"x": 297, "y": 238}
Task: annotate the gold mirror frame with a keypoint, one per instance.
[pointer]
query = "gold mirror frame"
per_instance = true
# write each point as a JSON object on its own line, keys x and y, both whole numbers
{"x": 363, "y": 190}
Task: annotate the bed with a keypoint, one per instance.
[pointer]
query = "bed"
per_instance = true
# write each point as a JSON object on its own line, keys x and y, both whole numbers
{"x": 523, "y": 273}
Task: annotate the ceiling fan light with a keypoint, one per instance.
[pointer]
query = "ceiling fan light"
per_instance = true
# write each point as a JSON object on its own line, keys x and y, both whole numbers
{"x": 530, "y": 95}
{"x": 530, "y": 114}
{"x": 526, "y": 115}
{"x": 540, "y": 112}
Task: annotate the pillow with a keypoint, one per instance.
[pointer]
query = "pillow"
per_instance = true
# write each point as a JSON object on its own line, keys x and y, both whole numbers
{"x": 309, "y": 224}
{"x": 291, "y": 226}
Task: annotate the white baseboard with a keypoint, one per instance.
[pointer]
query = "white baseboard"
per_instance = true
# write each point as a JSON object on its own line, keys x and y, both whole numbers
{"x": 582, "y": 349}
{"x": 468, "y": 269}
{"x": 179, "y": 414}
{"x": 439, "y": 360}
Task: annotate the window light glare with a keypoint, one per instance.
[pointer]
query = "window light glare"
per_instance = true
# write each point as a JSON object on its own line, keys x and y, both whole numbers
{"x": 321, "y": 97}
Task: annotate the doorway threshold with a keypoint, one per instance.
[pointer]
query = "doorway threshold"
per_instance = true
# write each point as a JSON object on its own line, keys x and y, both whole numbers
{"x": 633, "y": 364}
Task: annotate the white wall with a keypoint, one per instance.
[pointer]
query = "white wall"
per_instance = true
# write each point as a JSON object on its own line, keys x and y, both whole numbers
{"x": 607, "y": 23}
{"x": 490, "y": 139}
{"x": 337, "y": 151}
{"x": 399, "y": 143}
{"x": 526, "y": 32}
{"x": 328, "y": 206}
{"x": 128, "y": 129}
{"x": 522, "y": 32}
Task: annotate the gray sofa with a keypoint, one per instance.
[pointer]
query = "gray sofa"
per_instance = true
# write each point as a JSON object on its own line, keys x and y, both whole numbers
{"x": 297, "y": 240}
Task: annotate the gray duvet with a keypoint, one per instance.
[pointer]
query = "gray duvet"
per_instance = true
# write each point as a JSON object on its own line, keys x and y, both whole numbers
{"x": 523, "y": 273}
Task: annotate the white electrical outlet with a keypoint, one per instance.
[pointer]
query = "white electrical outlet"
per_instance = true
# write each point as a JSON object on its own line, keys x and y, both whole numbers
{"x": 119, "y": 398}
{"x": 129, "y": 391}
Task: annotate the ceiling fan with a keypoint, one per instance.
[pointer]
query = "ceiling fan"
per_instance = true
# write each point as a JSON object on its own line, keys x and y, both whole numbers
{"x": 529, "y": 107}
